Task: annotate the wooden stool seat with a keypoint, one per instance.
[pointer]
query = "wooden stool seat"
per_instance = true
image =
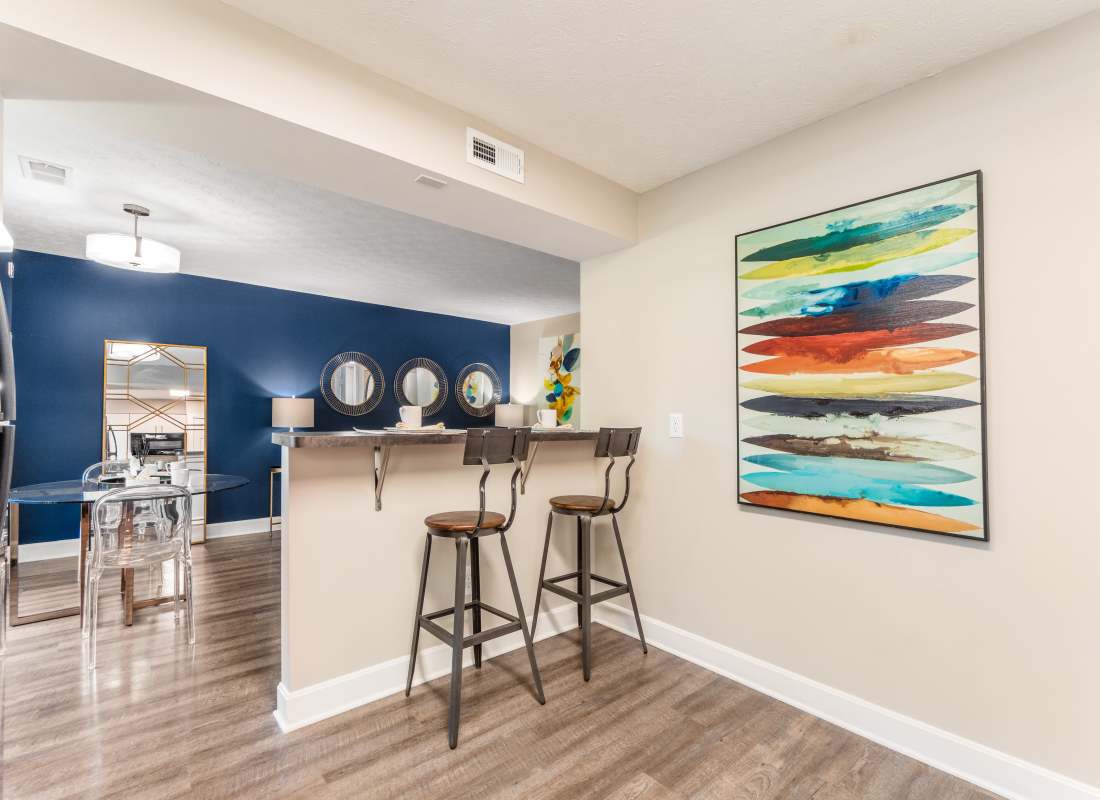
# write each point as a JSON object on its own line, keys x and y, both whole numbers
{"x": 463, "y": 521}
{"x": 588, "y": 503}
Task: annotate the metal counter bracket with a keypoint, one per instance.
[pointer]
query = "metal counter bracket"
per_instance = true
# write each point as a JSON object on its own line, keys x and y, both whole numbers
{"x": 527, "y": 468}
{"x": 381, "y": 466}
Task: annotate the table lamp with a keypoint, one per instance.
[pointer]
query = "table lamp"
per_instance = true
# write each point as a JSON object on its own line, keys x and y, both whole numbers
{"x": 509, "y": 415}
{"x": 292, "y": 412}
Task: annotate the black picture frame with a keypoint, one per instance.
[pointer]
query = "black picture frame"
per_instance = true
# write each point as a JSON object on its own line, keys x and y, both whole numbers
{"x": 985, "y": 537}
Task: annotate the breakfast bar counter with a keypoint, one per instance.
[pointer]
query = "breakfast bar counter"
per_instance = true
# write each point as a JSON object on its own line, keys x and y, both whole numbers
{"x": 350, "y": 565}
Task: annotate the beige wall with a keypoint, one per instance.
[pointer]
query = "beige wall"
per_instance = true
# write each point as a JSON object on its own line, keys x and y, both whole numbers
{"x": 525, "y": 380}
{"x": 995, "y": 642}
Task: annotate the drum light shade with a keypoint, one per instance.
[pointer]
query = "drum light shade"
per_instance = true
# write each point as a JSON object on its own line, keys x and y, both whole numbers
{"x": 132, "y": 252}
{"x": 509, "y": 415}
{"x": 120, "y": 250}
{"x": 292, "y": 412}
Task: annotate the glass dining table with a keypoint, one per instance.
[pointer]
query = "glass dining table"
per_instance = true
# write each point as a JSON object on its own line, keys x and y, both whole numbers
{"x": 85, "y": 494}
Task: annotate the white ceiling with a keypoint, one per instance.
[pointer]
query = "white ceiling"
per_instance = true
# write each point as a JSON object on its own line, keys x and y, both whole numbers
{"x": 644, "y": 92}
{"x": 241, "y": 225}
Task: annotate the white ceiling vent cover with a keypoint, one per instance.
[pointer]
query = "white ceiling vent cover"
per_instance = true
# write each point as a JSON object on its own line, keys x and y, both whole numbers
{"x": 38, "y": 170}
{"x": 494, "y": 155}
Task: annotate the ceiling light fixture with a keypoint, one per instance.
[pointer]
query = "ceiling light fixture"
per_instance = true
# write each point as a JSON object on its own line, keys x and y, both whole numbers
{"x": 132, "y": 252}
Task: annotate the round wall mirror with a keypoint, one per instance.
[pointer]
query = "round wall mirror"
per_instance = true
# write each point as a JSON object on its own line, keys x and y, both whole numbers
{"x": 352, "y": 383}
{"x": 478, "y": 389}
{"x": 421, "y": 382}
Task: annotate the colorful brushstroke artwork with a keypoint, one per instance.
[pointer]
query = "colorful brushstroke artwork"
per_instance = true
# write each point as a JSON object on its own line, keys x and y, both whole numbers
{"x": 560, "y": 365}
{"x": 859, "y": 362}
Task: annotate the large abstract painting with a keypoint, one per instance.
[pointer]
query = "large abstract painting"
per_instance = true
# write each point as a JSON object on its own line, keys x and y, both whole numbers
{"x": 859, "y": 362}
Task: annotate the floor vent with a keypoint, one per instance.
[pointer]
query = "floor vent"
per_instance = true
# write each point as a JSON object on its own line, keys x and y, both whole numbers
{"x": 494, "y": 155}
{"x": 38, "y": 170}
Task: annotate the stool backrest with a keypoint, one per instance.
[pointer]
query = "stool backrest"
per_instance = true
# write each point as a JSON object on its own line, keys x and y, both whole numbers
{"x": 488, "y": 446}
{"x": 141, "y": 524}
{"x": 617, "y": 442}
{"x": 612, "y": 443}
{"x": 496, "y": 445}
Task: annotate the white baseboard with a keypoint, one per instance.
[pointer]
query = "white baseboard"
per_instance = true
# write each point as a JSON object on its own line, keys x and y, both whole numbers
{"x": 43, "y": 551}
{"x": 983, "y": 766}
{"x": 301, "y": 707}
{"x": 63, "y": 548}
{"x": 238, "y": 527}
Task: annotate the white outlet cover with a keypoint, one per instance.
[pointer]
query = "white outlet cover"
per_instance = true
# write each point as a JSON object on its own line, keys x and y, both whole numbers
{"x": 676, "y": 425}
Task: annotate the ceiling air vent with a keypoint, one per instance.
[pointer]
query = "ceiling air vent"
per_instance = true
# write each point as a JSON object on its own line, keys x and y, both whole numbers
{"x": 38, "y": 170}
{"x": 494, "y": 155}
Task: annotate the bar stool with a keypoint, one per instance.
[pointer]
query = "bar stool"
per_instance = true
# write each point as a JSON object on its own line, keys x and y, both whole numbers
{"x": 611, "y": 443}
{"x": 484, "y": 446}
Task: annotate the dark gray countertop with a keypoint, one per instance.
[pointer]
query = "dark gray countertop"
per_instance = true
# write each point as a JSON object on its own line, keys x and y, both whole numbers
{"x": 390, "y": 438}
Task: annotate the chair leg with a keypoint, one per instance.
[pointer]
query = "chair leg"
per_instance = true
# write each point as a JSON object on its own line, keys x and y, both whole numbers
{"x": 523, "y": 622}
{"x": 586, "y": 595}
{"x": 580, "y": 569}
{"x": 542, "y": 573}
{"x": 629, "y": 583}
{"x": 475, "y": 595}
{"x": 176, "y": 588}
{"x": 93, "y": 617}
{"x": 86, "y": 606}
{"x": 456, "y": 643}
{"x": 3, "y": 604}
{"x": 419, "y": 610}
{"x": 190, "y": 601}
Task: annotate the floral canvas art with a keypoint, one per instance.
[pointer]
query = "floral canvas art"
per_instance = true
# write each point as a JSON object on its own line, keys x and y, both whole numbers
{"x": 560, "y": 364}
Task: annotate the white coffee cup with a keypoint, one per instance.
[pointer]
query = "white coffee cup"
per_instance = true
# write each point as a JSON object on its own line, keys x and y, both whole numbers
{"x": 411, "y": 415}
{"x": 179, "y": 474}
{"x": 548, "y": 418}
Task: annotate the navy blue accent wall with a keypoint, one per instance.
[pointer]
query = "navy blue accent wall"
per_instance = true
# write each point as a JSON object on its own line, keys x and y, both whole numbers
{"x": 261, "y": 343}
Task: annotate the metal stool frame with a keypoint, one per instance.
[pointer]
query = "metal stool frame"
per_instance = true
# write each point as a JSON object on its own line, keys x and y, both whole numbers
{"x": 611, "y": 443}
{"x": 484, "y": 446}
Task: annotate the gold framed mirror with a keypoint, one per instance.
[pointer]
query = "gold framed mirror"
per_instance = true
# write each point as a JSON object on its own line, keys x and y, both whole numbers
{"x": 154, "y": 409}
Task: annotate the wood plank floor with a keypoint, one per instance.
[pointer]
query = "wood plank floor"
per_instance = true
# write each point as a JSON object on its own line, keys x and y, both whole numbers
{"x": 156, "y": 721}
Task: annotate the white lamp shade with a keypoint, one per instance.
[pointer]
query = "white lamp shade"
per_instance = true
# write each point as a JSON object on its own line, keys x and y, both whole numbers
{"x": 509, "y": 415}
{"x": 7, "y": 244}
{"x": 291, "y": 412}
{"x": 119, "y": 250}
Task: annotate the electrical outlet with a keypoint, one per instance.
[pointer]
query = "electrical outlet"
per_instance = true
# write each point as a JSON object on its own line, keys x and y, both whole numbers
{"x": 469, "y": 585}
{"x": 676, "y": 425}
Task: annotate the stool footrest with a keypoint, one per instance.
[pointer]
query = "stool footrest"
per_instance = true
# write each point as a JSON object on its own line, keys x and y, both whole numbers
{"x": 426, "y": 622}
{"x": 574, "y": 575}
{"x": 618, "y": 588}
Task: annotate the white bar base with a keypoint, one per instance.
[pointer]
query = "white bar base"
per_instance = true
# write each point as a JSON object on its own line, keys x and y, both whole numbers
{"x": 323, "y": 700}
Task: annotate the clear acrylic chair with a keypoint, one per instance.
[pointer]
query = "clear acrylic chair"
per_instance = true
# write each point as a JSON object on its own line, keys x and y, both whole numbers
{"x": 4, "y": 568}
{"x": 7, "y": 450}
{"x": 135, "y": 527}
{"x": 111, "y": 474}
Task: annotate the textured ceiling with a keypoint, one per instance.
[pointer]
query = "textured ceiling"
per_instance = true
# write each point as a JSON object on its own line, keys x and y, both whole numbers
{"x": 644, "y": 91}
{"x": 242, "y": 226}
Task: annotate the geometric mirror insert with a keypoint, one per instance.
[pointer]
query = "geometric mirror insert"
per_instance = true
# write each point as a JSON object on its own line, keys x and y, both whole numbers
{"x": 154, "y": 409}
